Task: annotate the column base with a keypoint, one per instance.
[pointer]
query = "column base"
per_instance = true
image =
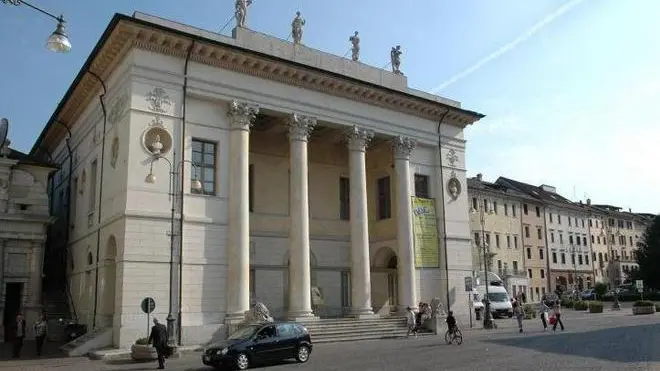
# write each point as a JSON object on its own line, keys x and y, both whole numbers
{"x": 233, "y": 322}
{"x": 363, "y": 313}
{"x": 302, "y": 316}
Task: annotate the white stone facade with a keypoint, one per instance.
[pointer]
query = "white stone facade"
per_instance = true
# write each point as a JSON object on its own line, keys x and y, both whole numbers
{"x": 24, "y": 218}
{"x": 270, "y": 227}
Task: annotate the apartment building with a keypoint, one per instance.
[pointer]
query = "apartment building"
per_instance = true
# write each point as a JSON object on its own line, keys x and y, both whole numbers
{"x": 535, "y": 247}
{"x": 600, "y": 245}
{"x": 569, "y": 249}
{"x": 496, "y": 219}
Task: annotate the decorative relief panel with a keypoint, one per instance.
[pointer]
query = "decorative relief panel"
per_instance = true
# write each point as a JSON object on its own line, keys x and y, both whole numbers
{"x": 452, "y": 158}
{"x": 158, "y": 100}
{"x": 454, "y": 187}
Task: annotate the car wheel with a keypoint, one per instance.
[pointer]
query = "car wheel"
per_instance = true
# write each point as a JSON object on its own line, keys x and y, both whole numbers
{"x": 510, "y": 315}
{"x": 242, "y": 362}
{"x": 302, "y": 355}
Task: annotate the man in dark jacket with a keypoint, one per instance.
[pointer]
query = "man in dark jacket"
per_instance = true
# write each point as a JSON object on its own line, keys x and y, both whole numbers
{"x": 19, "y": 335}
{"x": 158, "y": 338}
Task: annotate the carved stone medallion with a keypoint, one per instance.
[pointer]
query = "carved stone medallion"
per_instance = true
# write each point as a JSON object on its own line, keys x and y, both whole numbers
{"x": 454, "y": 187}
{"x": 158, "y": 100}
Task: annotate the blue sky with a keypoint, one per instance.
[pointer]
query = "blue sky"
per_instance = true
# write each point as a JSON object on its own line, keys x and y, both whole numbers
{"x": 570, "y": 106}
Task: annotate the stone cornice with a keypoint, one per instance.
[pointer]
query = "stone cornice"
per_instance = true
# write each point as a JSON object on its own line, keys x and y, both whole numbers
{"x": 124, "y": 33}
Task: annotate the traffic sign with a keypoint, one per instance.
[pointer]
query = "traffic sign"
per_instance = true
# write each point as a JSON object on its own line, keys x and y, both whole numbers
{"x": 640, "y": 285}
{"x": 148, "y": 305}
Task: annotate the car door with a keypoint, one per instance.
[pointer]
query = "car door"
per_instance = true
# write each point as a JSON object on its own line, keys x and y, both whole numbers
{"x": 265, "y": 344}
{"x": 288, "y": 340}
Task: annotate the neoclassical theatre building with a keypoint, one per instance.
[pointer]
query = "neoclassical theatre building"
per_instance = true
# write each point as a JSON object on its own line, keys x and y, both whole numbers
{"x": 315, "y": 184}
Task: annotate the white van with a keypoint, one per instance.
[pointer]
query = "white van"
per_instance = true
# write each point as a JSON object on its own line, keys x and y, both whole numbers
{"x": 500, "y": 302}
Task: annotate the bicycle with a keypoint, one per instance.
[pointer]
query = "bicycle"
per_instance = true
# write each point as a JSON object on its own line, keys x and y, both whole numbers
{"x": 454, "y": 337}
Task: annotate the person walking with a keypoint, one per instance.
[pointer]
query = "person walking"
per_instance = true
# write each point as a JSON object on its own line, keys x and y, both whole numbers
{"x": 520, "y": 314}
{"x": 543, "y": 312}
{"x": 19, "y": 335}
{"x": 158, "y": 338}
{"x": 40, "y": 333}
{"x": 556, "y": 310}
{"x": 411, "y": 322}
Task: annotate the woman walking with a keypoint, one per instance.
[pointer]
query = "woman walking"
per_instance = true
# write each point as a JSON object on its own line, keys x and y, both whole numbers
{"x": 519, "y": 313}
{"x": 543, "y": 312}
{"x": 556, "y": 310}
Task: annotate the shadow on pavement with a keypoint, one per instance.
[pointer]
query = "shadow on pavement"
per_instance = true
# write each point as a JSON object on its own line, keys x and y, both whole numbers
{"x": 622, "y": 344}
{"x": 50, "y": 350}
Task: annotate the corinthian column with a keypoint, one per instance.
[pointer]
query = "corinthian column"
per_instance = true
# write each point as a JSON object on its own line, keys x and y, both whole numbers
{"x": 358, "y": 139}
{"x": 241, "y": 116}
{"x": 403, "y": 147}
{"x": 300, "y": 299}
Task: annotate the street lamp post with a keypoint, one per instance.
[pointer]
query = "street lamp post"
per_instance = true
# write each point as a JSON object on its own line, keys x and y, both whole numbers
{"x": 488, "y": 317}
{"x": 174, "y": 310}
{"x": 58, "y": 41}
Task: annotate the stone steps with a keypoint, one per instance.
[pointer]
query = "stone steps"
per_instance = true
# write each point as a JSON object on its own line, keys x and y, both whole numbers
{"x": 349, "y": 329}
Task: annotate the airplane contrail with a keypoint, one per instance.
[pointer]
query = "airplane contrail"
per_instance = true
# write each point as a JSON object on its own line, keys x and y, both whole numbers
{"x": 522, "y": 38}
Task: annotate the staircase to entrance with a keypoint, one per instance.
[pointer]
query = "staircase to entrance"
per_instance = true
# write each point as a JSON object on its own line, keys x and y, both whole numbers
{"x": 352, "y": 329}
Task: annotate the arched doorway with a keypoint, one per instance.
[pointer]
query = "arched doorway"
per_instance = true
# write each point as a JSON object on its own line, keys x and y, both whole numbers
{"x": 384, "y": 282}
{"x": 313, "y": 277}
{"x": 108, "y": 283}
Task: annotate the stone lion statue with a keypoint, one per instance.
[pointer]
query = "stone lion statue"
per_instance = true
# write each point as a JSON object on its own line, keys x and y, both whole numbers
{"x": 437, "y": 309}
{"x": 258, "y": 313}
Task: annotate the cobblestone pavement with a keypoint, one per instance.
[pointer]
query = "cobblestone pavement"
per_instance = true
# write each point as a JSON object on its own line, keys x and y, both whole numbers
{"x": 609, "y": 341}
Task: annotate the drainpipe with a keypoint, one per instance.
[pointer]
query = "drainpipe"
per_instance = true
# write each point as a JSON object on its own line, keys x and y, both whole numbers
{"x": 182, "y": 190}
{"x": 444, "y": 207}
{"x": 68, "y": 212}
{"x": 100, "y": 200}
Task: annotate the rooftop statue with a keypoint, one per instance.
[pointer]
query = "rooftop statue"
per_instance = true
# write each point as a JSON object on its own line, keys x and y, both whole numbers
{"x": 395, "y": 56}
{"x": 297, "y": 28}
{"x": 241, "y": 12}
{"x": 355, "y": 40}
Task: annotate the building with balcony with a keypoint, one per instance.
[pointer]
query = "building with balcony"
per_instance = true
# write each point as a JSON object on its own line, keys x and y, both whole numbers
{"x": 212, "y": 172}
{"x": 24, "y": 220}
{"x": 535, "y": 247}
{"x": 567, "y": 231}
{"x": 496, "y": 225}
{"x": 600, "y": 244}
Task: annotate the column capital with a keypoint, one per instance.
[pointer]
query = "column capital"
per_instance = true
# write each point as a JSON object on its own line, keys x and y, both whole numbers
{"x": 403, "y": 147}
{"x": 300, "y": 126}
{"x": 358, "y": 139}
{"x": 242, "y": 115}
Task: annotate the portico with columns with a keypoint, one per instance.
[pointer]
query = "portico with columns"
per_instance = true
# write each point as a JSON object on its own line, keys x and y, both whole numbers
{"x": 308, "y": 164}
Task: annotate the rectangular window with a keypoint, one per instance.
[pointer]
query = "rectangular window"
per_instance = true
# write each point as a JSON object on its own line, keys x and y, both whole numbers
{"x": 515, "y": 266}
{"x": 525, "y": 209}
{"x": 529, "y": 273}
{"x": 580, "y": 260}
{"x": 591, "y": 224}
{"x": 542, "y": 273}
{"x": 539, "y": 233}
{"x": 508, "y": 241}
{"x": 384, "y": 198}
{"x": 541, "y": 254}
{"x": 554, "y": 257}
{"x": 495, "y": 207}
{"x": 558, "y": 219}
{"x": 570, "y": 222}
{"x": 513, "y": 210}
{"x": 538, "y": 212}
{"x": 550, "y": 215}
{"x": 527, "y": 231}
{"x": 485, "y": 205}
{"x": 584, "y": 240}
{"x": 570, "y": 239}
{"x": 552, "y": 237}
{"x": 586, "y": 259}
{"x": 345, "y": 290}
{"x": 92, "y": 186}
{"x": 497, "y": 240}
{"x": 422, "y": 186}
{"x": 563, "y": 258}
{"x": 488, "y": 239}
{"x": 529, "y": 253}
{"x": 506, "y": 209}
{"x": 573, "y": 259}
{"x": 344, "y": 198}
{"x": 203, "y": 156}
{"x": 631, "y": 241}
{"x": 593, "y": 239}
{"x": 561, "y": 238}
{"x": 577, "y": 240}
{"x": 477, "y": 239}
{"x": 515, "y": 241}
{"x": 475, "y": 203}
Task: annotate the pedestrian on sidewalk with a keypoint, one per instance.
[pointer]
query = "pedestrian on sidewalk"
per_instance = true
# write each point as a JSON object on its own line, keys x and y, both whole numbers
{"x": 40, "y": 333}
{"x": 19, "y": 335}
{"x": 158, "y": 338}
{"x": 556, "y": 310}
{"x": 520, "y": 314}
{"x": 411, "y": 321}
{"x": 543, "y": 312}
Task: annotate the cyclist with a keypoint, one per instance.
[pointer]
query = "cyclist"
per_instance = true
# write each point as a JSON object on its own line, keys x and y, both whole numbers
{"x": 451, "y": 322}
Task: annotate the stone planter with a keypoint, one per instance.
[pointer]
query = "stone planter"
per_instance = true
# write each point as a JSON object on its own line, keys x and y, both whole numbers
{"x": 143, "y": 353}
{"x": 643, "y": 310}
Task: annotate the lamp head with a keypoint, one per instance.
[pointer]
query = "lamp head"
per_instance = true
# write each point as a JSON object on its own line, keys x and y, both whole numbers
{"x": 151, "y": 178}
{"x": 58, "y": 41}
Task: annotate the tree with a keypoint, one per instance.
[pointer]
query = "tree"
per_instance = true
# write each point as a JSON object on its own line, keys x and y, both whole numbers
{"x": 648, "y": 255}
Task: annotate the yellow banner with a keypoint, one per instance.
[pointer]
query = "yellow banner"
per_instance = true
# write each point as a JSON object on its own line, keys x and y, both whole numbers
{"x": 425, "y": 232}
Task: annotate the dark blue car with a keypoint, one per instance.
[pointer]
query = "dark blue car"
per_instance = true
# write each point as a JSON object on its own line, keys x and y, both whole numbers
{"x": 259, "y": 344}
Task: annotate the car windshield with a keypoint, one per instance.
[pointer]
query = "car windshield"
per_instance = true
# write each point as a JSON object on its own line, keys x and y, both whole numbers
{"x": 498, "y": 296}
{"x": 243, "y": 333}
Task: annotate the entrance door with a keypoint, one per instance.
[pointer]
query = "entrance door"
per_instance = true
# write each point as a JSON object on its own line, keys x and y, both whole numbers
{"x": 12, "y": 306}
{"x": 392, "y": 291}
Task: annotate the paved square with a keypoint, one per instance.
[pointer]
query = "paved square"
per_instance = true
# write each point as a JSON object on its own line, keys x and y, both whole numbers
{"x": 609, "y": 341}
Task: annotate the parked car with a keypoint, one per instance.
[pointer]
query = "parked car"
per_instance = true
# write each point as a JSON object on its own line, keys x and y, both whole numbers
{"x": 588, "y": 294}
{"x": 260, "y": 343}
